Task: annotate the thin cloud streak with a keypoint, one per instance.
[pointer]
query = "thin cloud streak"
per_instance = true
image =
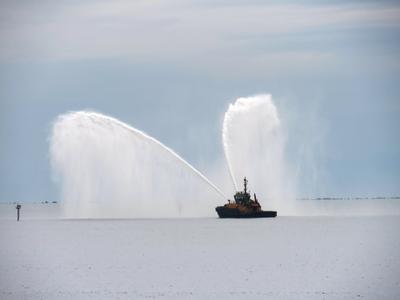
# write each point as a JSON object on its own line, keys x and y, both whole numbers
{"x": 167, "y": 31}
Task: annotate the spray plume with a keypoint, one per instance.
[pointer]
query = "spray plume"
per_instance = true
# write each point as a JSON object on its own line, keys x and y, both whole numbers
{"x": 109, "y": 169}
{"x": 254, "y": 147}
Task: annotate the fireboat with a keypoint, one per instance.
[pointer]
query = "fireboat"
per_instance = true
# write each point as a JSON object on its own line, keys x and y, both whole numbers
{"x": 244, "y": 207}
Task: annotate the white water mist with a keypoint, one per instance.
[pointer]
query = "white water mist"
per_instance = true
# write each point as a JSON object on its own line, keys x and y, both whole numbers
{"x": 254, "y": 146}
{"x": 108, "y": 169}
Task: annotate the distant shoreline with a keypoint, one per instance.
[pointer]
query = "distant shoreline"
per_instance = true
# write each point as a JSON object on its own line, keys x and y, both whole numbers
{"x": 352, "y": 198}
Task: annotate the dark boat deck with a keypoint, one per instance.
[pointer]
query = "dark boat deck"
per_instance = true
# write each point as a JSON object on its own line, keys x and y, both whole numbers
{"x": 225, "y": 212}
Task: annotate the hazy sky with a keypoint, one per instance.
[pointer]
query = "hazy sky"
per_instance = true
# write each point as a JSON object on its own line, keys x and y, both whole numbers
{"x": 170, "y": 68}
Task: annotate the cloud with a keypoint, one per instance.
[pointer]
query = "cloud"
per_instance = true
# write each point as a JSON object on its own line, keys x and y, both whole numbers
{"x": 160, "y": 30}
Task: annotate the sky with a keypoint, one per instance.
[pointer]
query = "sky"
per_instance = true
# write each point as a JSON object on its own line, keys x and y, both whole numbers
{"x": 171, "y": 68}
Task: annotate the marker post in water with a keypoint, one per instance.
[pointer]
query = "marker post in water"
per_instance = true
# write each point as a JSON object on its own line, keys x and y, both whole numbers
{"x": 18, "y": 207}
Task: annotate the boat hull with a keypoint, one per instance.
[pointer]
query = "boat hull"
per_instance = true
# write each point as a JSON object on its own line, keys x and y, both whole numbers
{"x": 227, "y": 212}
